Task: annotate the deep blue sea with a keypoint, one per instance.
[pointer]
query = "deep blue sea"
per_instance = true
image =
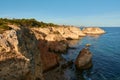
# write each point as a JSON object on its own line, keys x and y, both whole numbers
{"x": 106, "y": 56}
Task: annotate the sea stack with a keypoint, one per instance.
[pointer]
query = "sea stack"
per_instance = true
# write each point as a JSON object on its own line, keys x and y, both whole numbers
{"x": 84, "y": 59}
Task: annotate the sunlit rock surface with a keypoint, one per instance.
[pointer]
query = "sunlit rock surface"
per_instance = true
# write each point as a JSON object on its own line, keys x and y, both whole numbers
{"x": 19, "y": 55}
{"x": 26, "y": 53}
{"x": 93, "y": 30}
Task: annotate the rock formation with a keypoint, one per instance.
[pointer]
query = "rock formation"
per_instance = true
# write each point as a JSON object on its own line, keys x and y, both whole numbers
{"x": 26, "y": 53}
{"x": 84, "y": 59}
{"x": 70, "y": 32}
{"x": 28, "y": 49}
{"x": 93, "y": 30}
{"x": 19, "y": 55}
{"x": 65, "y": 32}
{"x": 57, "y": 37}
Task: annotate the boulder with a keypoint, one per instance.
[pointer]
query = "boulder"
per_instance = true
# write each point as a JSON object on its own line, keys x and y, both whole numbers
{"x": 84, "y": 59}
{"x": 93, "y": 30}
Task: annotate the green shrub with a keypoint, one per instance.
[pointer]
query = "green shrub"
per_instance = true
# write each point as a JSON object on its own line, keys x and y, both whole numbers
{"x": 26, "y": 22}
{"x": 3, "y": 27}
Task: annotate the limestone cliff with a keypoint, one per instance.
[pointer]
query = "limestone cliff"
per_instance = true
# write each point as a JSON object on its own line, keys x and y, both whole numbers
{"x": 57, "y": 37}
{"x": 21, "y": 50}
{"x": 62, "y": 33}
{"x": 26, "y": 53}
{"x": 19, "y": 55}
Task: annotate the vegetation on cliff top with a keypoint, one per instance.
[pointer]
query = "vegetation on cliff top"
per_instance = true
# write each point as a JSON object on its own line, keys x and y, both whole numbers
{"x": 25, "y": 22}
{"x": 22, "y": 22}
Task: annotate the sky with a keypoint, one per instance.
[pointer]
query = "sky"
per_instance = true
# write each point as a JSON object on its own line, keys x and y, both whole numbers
{"x": 67, "y": 12}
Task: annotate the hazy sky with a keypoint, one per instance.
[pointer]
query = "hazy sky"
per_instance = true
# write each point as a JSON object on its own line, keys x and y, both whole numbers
{"x": 71, "y": 12}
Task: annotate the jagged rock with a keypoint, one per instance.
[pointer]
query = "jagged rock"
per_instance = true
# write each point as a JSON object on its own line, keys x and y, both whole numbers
{"x": 93, "y": 30}
{"x": 84, "y": 59}
{"x": 19, "y": 55}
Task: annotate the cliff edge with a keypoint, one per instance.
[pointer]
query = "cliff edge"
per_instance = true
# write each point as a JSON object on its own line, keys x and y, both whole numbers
{"x": 19, "y": 55}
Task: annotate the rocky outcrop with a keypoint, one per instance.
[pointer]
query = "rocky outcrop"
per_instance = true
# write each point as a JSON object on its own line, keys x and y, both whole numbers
{"x": 93, "y": 30}
{"x": 65, "y": 32}
{"x": 19, "y": 55}
{"x": 54, "y": 40}
{"x": 57, "y": 37}
{"x": 84, "y": 59}
{"x": 70, "y": 32}
{"x": 26, "y": 53}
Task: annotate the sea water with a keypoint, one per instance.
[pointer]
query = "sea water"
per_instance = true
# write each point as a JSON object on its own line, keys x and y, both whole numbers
{"x": 106, "y": 56}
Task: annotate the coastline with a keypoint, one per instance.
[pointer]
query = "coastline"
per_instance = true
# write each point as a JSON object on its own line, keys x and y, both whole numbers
{"x": 40, "y": 48}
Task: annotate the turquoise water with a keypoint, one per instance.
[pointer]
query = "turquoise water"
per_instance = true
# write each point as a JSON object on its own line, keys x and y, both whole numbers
{"x": 106, "y": 56}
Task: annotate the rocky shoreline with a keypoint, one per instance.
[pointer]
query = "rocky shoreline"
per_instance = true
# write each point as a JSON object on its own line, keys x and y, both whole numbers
{"x": 25, "y": 54}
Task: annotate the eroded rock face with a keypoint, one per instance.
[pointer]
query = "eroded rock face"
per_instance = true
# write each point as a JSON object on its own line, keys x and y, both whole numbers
{"x": 57, "y": 37}
{"x": 93, "y": 30}
{"x": 84, "y": 59}
{"x": 53, "y": 40}
{"x": 65, "y": 32}
{"x": 50, "y": 60}
{"x": 19, "y": 55}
